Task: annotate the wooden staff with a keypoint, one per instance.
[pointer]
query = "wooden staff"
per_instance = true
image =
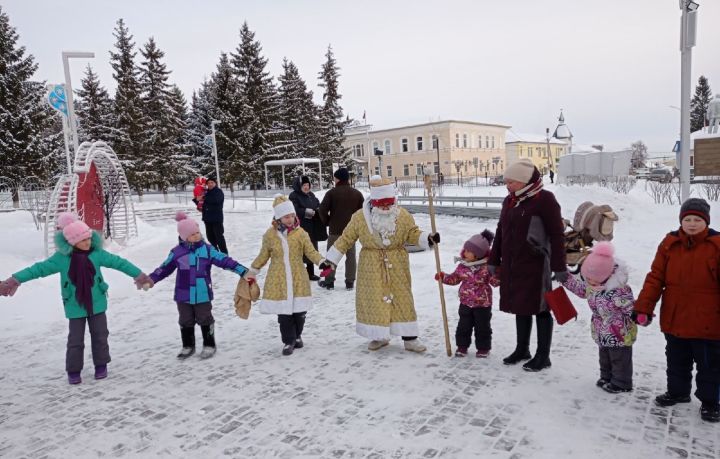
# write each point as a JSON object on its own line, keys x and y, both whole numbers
{"x": 431, "y": 211}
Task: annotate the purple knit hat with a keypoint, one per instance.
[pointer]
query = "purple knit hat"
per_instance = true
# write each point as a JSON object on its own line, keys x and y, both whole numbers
{"x": 479, "y": 244}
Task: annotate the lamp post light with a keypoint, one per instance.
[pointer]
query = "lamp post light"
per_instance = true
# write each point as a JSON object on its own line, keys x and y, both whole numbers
{"x": 688, "y": 27}
{"x": 215, "y": 153}
{"x": 66, "y": 55}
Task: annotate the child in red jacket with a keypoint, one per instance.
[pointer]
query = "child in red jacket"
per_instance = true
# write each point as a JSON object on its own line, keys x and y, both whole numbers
{"x": 685, "y": 274}
{"x": 475, "y": 295}
{"x": 199, "y": 192}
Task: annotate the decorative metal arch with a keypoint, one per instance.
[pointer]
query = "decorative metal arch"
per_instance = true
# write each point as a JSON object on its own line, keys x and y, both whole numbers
{"x": 111, "y": 174}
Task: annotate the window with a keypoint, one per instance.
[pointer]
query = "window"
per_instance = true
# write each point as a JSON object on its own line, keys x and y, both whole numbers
{"x": 493, "y": 139}
{"x": 404, "y": 145}
{"x": 376, "y": 146}
{"x": 457, "y": 140}
{"x": 358, "y": 150}
{"x": 419, "y": 143}
{"x": 389, "y": 171}
{"x": 530, "y": 155}
{"x": 487, "y": 141}
{"x": 377, "y": 170}
{"x": 388, "y": 148}
{"x": 437, "y": 167}
{"x": 465, "y": 145}
{"x": 434, "y": 142}
{"x": 419, "y": 169}
{"x": 406, "y": 170}
{"x": 479, "y": 141}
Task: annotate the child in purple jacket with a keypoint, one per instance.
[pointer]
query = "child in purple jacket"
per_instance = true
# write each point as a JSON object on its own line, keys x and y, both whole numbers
{"x": 604, "y": 285}
{"x": 475, "y": 295}
{"x": 193, "y": 258}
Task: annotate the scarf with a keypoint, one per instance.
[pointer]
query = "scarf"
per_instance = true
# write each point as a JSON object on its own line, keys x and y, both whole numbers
{"x": 531, "y": 189}
{"x": 82, "y": 275}
{"x": 282, "y": 228}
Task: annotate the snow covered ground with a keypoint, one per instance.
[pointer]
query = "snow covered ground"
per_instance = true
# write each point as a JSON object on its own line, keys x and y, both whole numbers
{"x": 333, "y": 398}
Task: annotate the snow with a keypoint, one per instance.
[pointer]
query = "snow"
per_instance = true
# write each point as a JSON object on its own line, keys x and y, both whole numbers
{"x": 511, "y": 137}
{"x": 333, "y": 398}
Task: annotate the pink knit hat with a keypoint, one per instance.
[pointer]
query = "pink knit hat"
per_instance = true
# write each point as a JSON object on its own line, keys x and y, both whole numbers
{"x": 73, "y": 229}
{"x": 186, "y": 226}
{"x": 600, "y": 264}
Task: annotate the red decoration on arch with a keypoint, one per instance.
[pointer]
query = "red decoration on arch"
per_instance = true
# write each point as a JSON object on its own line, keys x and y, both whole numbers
{"x": 90, "y": 199}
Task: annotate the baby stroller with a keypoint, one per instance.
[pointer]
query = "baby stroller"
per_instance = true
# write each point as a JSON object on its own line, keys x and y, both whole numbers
{"x": 591, "y": 223}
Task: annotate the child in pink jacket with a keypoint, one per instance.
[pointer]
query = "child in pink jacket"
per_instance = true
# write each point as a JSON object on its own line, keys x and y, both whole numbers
{"x": 475, "y": 295}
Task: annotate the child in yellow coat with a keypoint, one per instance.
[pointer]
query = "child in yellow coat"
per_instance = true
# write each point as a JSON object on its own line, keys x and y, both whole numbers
{"x": 287, "y": 286}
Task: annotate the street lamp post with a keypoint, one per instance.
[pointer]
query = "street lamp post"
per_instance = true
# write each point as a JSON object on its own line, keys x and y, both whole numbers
{"x": 215, "y": 153}
{"x": 688, "y": 24}
{"x": 66, "y": 55}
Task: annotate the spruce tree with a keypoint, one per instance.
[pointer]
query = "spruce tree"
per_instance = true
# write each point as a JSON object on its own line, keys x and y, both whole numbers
{"x": 26, "y": 120}
{"x": 260, "y": 95}
{"x": 129, "y": 122}
{"x": 201, "y": 160}
{"x": 94, "y": 110}
{"x": 179, "y": 137}
{"x": 332, "y": 121}
{"x": 699, "y": 104}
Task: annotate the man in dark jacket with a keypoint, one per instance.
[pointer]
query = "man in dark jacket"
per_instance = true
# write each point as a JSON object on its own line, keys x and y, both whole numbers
{"x": 336, "y": 208}
{"x": 529, "y": 246}
{"x": 306, "y": 207}
{"x": 212, "y": 215}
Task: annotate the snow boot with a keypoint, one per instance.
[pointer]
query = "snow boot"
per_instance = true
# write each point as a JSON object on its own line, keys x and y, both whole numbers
{"x": 667, "y": 399}
{"x": 376, "y": 344}
{"x": 326, "y": 284}
{"x": 461, "y": 352}
{"x": 208, "y": 333}
{"x": 288, "y": 349}
{"x": 188, "y": 342}
{"x": 710, "y": 412}
{"x": 74, "y": 377}
{"x": 414, "y": 345}
{"x": 601, "y": 382}
{"x": 100, "y": 371}
{"x": 523, "y": 327}
{"x": 613, "y": 389}
{"x": 349, "y": 285}
{"x": 299, "y": 343}
{"x": 544, "y": 340}
{"x": 482, "y": 353}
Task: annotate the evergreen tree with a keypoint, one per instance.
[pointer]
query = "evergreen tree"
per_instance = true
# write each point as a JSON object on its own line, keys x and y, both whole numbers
{"x": 234, "y": 133}
{"x": 129, "y": 122}
{"x": 160, "y": 123}
{"x": 260, "y": 96}
{"x": 26, "y": 120}
{"x": 699, "y": 104}
{"x": 332, "y": 122}
{"x": 202, "y": 162}
{"x": 180, "y": 142}
{"x": 296, "y": 128}
{"x": 94, "y": 110}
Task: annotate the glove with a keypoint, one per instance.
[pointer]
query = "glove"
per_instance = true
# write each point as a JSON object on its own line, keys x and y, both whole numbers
{"x": 491, "y": 269}
{"x": 326, "y": 268}
{"x": 440, "y": 276}
{"x": 309, "y": 213}
{"x": 9, "y": 286}
{"x": 143, "y": 281}
{"x": 641, "y": 318}
{"x": 250, "y": 280}
{"x": 433, "y": 238}
{"x": 561, "y": 276}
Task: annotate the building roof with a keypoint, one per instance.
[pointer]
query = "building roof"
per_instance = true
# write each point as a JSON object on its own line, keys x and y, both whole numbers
{"x": 435, "y": 123}
{"x": 579, "y": 148}
{"x": 515, "y": 137}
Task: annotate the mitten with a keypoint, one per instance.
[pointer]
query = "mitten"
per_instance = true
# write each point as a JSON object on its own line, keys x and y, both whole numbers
{"x": 561, "y": 276}
{"x": 143, "y": 281}
{"x": 641, "y": 318}
{"x": 440, "y": 276}
{"x": 433, "y": 238}
{"x": 309, "y": 213}
{"x": 9, "y": 286}
{"x": 326, "y": 268}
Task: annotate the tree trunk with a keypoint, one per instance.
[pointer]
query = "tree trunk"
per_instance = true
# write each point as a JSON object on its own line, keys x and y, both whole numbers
{"x": 16, "y": 197}
{"x": 166, "y": 199}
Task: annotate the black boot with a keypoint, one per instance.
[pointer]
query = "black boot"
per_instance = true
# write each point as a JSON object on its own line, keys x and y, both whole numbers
{"x": 544, "y": 339}
{"x": 349, "y": 285}
{"x": 710, "y": 412}
{"x": 208, "y": 332}
{"x": 188, "y": 342}
{"x": 523, "y": 327}
{"x": 311, "y": 272}
{"x": 330, "y": 285}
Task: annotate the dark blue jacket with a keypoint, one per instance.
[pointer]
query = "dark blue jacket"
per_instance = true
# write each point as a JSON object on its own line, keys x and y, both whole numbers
{"x": 212, "y": 211}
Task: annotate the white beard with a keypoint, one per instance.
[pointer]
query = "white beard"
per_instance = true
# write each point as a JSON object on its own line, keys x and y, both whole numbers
{"x": 384, "y": 222}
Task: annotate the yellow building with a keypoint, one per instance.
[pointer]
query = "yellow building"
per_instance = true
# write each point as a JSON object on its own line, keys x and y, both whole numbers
{"x": 450, "y": 147}
{"x": 535, "y": 148}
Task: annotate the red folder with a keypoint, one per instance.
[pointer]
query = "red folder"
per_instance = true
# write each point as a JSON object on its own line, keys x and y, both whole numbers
{"x": 560, "y": 305}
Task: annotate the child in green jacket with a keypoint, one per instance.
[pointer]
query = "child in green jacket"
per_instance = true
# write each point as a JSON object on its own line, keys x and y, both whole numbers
{"x": 78, "y": 259}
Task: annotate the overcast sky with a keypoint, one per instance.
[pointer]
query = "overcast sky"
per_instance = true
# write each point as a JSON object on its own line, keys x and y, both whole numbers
{"x": 612, "y": 65}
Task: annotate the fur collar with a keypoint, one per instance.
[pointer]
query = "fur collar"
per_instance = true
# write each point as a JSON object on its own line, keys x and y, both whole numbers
{"x": 619, "y": 277}
{"x": 471, "y": 264}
